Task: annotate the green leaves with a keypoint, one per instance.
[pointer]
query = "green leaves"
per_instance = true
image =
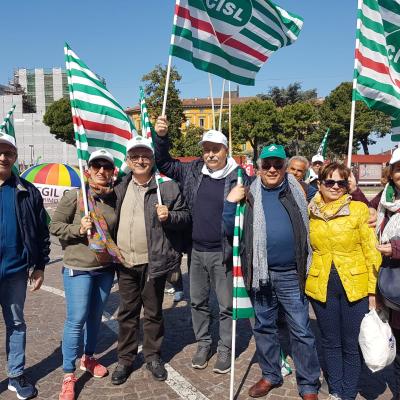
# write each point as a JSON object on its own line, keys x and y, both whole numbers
{"x": 154, "y": 90}
{"x": 58, "y": 118}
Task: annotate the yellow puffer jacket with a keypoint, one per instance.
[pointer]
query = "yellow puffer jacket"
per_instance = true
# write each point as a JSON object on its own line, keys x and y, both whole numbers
{"x": 340, "y": 235}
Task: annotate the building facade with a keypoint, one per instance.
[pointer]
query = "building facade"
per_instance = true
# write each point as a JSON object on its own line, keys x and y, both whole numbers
{"x": 199, "y": 111}
{"x": 40, "y": 88}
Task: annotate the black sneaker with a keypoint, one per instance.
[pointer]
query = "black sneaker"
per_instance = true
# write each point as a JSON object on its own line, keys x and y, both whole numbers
{"x": 200, "y": 359}
{"x": 157, "y": 369}
{"x": 223, "y": 363}
{"x": 121, "y": 374}
{"x": 22, "y": 387}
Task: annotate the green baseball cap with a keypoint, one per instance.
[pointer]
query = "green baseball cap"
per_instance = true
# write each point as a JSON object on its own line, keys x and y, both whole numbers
{"x": 273, "y": 150}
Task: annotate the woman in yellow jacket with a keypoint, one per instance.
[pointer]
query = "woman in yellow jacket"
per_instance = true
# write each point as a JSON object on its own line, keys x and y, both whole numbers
{"x": 342, "y": 278}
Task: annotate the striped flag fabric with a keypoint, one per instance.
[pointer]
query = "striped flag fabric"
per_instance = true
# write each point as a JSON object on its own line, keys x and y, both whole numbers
{"x": 242, "y": 307}
{"x": 148, "y": 131}
{"x": 377, "y": 69}
{"x": 7, "y": 126}
{"x": 99, "y": 121}
{"x": 231, "y": 39}
{"x": 324, "y": 144}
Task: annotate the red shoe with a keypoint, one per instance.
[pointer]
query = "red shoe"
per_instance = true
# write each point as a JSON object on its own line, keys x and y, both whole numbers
{"x": 68, "y": 388}
{"x": 91, "y": 365}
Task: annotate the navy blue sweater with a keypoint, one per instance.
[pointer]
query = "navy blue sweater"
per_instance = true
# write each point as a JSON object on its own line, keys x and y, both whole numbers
{"x": 280, "y": 236}
{"x": 207, "y": 215}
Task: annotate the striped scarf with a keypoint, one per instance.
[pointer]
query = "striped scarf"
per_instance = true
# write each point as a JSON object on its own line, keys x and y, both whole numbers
{"x": 100, "y": 242}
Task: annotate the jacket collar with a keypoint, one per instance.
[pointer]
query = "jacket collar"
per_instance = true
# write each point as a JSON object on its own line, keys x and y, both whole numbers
{"x": 19, "y": 184}
{"x": 127, "y": 179}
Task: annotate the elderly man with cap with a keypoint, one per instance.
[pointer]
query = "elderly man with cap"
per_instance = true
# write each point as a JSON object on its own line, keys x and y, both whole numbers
{"x": 24, "y": 245}
{"x": 317, "y": 162}
{"x": 276, "y": 255}
{"x": 150, "y": 237}
{"x": 206, "y": 182}
{"x": 89, "y": 265}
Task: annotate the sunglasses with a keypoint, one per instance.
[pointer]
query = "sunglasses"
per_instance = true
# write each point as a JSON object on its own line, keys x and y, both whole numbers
{"x": 330, "y": 183}
{"x": 97, "y": 166}
{"x": 137, "y": 157}
{"x": 277, "y": 166}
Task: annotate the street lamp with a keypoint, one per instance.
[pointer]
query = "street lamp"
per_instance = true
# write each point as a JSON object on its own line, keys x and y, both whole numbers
{"x": 32, "y": 153}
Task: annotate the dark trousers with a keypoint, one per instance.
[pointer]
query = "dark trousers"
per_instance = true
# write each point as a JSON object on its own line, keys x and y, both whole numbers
{"x": 137, "y": 290}
{"x": 339, "y": 321}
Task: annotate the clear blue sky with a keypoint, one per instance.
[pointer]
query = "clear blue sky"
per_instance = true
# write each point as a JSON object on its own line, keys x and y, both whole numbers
{"x": 122, "y": 40}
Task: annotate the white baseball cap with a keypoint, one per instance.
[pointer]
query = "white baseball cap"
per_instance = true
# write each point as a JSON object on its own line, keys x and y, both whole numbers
{"x": 317, "y": 158}
{"x": 7, "y": 139}
{"x": 103, "y": 154}
{"x": 214, "y": 136}
{"x": 395, "y": 156}
{"x": 139, "y": 141}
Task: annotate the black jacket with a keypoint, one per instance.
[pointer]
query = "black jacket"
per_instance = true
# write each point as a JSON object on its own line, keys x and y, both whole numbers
{"x": 164, "y": 240}
{"x": 189, "y": 177}
{"x": 246, "y": 243}
{"x": 32, "y": 223}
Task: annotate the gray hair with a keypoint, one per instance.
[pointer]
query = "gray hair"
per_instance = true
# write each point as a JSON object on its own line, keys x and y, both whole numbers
{"x": 300, "y": 159}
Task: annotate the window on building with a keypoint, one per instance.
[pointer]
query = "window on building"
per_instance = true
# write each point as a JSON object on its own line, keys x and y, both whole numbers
{"x": 201, "y": 122}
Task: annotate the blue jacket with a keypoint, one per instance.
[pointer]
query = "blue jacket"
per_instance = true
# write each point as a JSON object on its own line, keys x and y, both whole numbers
{"x": 32, "y": 223}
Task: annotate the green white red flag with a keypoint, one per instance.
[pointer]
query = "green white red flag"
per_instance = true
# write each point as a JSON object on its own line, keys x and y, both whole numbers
{"x": 324, "y": 144}
{"x": 231, "y": 39}
{"x": 7, "y": 127}
{"x": 242, "y": 307}
{"x": 377, "y": 68}
{"x": 148, "y": 131}
{"x": 99, "y": 121}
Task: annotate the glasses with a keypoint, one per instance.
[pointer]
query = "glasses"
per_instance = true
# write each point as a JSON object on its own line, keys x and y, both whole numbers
{"x": 330, "y": 183}
{"x": 137, "y": 157}
{"x": 8, "y": 154}
{"x": 277, "y": 165}
{"x": 98, "y": 166}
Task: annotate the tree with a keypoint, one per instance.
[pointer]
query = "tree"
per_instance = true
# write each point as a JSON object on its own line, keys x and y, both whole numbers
{"x": 58, "y": 118}
{"x": 191, "y": 138}
{"x": 290, "y": 95}
{"x": 335, "y": 114}
{"x": 154, "y": 91}
{"x": 256, "y": 121}
{"x": 298, "y": 122}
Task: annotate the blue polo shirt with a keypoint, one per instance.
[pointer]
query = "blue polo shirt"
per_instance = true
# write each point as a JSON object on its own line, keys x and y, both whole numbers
{"x": 13, "y": 255}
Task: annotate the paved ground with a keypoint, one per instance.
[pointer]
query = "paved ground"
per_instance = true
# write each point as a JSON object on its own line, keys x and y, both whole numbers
{"x": 45, "y": 314}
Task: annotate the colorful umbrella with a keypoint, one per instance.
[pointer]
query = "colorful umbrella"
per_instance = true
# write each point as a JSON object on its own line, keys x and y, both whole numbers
{"x": 53, "y": 174}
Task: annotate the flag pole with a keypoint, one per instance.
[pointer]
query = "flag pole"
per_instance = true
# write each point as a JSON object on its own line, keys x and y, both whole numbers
{"x": 78, "y": 146}
{"x": 221, "y": 106}
{"x": 230, "y": 119}
{"x": 212, "y": 100}
{"x": 177, "y": 3}
{"x": 164, "y": 107}
{"x": 353, "y": 101}
{"x": 233, "y": 351}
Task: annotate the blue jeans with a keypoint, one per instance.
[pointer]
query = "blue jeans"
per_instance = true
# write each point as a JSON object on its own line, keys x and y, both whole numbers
{"x": 283, "y": 289}
{"x": 85, "y": 296}
{"x": 339, "y": 322}
{"x": 12, "y": 300}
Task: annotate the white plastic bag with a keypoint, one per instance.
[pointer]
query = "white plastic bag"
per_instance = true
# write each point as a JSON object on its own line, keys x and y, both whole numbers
{"x": 377, "y": 342}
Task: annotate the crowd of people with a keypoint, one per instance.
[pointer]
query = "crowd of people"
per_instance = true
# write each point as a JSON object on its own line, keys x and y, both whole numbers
{"x": 309, "y": 236}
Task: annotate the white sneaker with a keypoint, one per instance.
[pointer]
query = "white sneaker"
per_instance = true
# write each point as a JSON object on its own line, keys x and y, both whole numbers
{"x": 334, "y": 396}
